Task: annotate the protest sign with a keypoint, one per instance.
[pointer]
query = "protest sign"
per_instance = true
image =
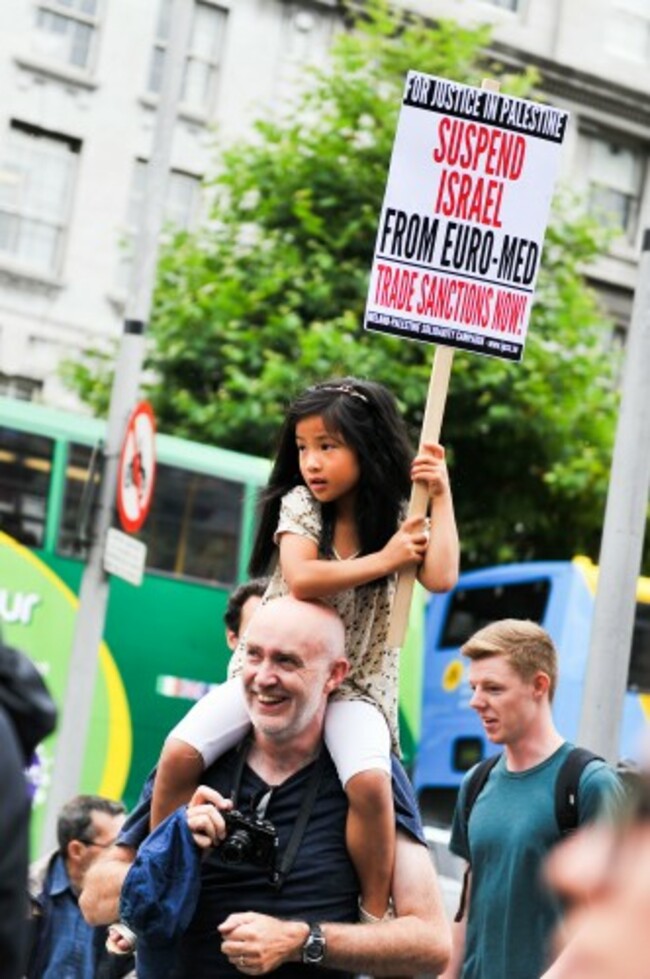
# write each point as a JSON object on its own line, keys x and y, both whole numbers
{"x": 462, "y": 225}
{"x": 460, "y": 237}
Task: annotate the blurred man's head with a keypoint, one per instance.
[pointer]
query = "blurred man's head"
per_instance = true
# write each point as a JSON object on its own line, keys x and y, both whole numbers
{"x": 87, "y": 825}
{"x": 242, "y": 602}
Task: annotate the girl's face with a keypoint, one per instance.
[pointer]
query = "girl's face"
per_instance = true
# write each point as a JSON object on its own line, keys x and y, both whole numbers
{"x": 329, "y": 467}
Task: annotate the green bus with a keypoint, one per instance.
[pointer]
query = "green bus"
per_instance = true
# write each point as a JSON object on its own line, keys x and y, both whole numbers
{"x": 164, "y": 640}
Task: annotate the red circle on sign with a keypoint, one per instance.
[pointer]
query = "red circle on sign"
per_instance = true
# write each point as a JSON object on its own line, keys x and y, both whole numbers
{"x": 136, "y": 472}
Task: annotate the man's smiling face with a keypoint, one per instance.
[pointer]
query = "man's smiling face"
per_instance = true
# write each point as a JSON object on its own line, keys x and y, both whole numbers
{"x": 287, "y": 674}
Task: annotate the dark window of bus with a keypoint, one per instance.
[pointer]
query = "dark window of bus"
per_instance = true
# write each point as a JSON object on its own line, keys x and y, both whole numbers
{"x": 193, "y": 527}
{"x": 472, "y": 608}
{"x": 79, "y": 505}
{"x": 25, "y": 469}
{"x": 639, "y": 675}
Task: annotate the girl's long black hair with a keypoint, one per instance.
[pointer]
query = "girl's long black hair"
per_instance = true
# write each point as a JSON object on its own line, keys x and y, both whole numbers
{"x": 365, "y": 415}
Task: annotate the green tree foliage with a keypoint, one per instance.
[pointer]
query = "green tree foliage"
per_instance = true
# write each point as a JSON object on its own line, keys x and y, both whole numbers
{"x": 270, "y": 297}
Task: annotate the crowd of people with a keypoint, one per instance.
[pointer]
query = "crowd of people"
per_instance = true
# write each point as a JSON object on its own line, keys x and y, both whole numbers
{"x": 279, "y": 831}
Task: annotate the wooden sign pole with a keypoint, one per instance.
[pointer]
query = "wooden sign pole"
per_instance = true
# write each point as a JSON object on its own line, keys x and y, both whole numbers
{"x": 419, "y": 502}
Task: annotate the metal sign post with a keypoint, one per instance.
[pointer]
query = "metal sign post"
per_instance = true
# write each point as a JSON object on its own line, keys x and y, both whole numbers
{"x": 93, "y": 596}
{"x": 622, "y": 541}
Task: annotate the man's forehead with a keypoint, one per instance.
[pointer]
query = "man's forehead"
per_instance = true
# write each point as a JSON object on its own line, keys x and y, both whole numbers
{"x": 106, "y": 825}
{"x": 491, "y": 666}
{"x": 273, "y": 645}
{"x": 289, "y": 622}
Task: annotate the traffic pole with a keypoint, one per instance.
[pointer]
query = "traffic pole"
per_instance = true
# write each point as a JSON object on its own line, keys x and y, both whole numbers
{"x": 93, "y": 596}
{"x": 622, "y": 540}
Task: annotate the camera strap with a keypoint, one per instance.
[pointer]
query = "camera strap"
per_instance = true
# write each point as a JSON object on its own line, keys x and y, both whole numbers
{"x": 280, "y": 873}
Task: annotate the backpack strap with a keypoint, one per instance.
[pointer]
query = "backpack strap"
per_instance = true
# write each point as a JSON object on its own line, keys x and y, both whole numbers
{"x": 475, "y": 785}
{"x": 477, "y": 781}
{"x": 567, "y": 788}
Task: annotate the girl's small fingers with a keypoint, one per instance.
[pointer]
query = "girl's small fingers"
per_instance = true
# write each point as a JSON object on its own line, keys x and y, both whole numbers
{"x": 434, "y": 448}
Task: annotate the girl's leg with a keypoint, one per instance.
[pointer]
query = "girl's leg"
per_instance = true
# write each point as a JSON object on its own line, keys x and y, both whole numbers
{"x": 370, "y": 837}
{"x": 213, "y": 726}
{"x": 358, "y": 740}
{"x": 178, "y": 773}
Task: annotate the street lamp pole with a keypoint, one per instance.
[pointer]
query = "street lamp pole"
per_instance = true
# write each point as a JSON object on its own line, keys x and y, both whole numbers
{"x": 622, "y": 540}
{"x": 93, "y": 596}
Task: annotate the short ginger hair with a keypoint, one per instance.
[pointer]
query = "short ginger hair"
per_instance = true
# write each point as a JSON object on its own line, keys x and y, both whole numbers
{"x": 526, "y": 646}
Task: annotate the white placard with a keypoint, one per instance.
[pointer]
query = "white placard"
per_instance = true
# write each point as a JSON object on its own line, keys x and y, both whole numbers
{"x": 462, "y": 225}
{"x": 124, "y": 556}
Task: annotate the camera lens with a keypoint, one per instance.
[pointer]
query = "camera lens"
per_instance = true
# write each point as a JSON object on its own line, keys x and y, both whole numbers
{"x": 236, "y": 847}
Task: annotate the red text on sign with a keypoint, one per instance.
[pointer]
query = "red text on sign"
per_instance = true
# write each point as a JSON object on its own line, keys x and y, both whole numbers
{"x": 395, "y": 287}
{"x": 471, "y": 146}
{"x": 469, "y": 198}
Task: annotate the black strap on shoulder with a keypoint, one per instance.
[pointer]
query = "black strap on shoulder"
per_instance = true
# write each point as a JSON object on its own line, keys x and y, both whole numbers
{"x": 475, "y": 785}
{"x": 280, "y": 872}
{"x": 300, "y": 825}
{"x": 477, "y": 781}
{"x": 567, "y": 786}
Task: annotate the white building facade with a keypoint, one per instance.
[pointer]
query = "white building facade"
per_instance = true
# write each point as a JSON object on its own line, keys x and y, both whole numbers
{"x": 80, "y": 80}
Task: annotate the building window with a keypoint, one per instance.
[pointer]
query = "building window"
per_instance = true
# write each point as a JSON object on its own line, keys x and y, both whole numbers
{"x": 65, "y": 31}
{"x": 181, "y": 211}
{"x": 37, "y": 175}
{"x": 628, "y": 30}
{"x": 505, "y": 4}
{"x": 20, "y": 388}
{"x": 203, "y": 56}
{"x": 614, "y": 175}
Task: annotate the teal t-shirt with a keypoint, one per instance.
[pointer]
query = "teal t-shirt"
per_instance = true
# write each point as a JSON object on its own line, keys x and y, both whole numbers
{"x": 512, "y": 827}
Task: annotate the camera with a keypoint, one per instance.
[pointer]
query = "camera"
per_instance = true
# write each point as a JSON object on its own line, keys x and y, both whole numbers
{"x": 250, "y": 839}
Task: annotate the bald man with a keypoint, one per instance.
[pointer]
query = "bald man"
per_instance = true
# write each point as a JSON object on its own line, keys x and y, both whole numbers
{"x": 296, "y": 911}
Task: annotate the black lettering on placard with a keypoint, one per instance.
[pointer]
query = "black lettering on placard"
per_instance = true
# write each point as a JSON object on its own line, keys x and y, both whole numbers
{"x": 411, "y": 236}
{"x": 466, "y": 248}
{"x": 518, "y": 260}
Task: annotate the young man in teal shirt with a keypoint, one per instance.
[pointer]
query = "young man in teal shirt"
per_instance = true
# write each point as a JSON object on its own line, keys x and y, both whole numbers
{"x": 509, "y": 914}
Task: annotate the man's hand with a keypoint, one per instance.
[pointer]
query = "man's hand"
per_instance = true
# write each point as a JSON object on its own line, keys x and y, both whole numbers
{"x": 256, "y": 943}
{"x": 204, "y": 816}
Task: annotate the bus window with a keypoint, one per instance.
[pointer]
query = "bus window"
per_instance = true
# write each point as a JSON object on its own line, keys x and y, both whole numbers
{"x": 25, "y": 469}
{"x": 639, "y": 675}
{"x": 193, "y": 528}
{"x": 472, "y": 608}
{"x": 75, "y": 524}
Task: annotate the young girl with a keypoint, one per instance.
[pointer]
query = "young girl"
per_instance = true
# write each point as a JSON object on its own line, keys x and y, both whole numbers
{"x": 333, "y": 512}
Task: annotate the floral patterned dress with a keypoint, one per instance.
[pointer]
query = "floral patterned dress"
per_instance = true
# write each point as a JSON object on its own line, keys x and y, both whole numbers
{"x": 365, "y": 612}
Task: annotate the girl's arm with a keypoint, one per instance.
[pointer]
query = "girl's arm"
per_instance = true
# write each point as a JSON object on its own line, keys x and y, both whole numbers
{"x": 439, "y": 570}
{"x": 309, "y": 576}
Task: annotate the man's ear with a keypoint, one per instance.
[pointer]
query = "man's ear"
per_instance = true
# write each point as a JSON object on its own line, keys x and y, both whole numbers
{"x": 75, "y": 850}
{"x": 231, "y": 639}
{"x": 541, "y": 684}
{"x": 338, "y": 672}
